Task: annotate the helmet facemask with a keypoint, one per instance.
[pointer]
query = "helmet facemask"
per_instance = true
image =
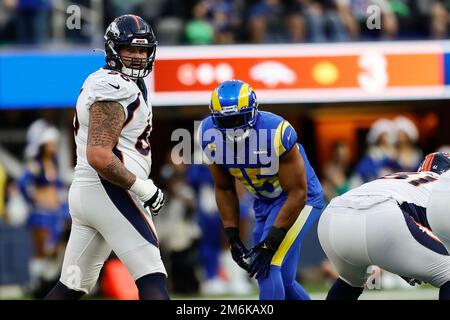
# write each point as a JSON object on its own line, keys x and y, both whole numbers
{"x": 236, "y": 125}
{"x": 132, "y": 67}
{"x": 239, "y": 120}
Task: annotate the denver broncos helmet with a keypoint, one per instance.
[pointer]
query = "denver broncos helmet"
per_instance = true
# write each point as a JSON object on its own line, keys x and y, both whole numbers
{"x": 437, "y": 162}
{"x": 233, "y": 105}
{"x": 130, "y": 30}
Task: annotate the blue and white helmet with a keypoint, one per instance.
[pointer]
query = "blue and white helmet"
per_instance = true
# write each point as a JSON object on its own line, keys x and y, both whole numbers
{"x": 233, "y": 105}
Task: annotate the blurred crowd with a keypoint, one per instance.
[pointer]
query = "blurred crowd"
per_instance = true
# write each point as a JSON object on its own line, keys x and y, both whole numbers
{"x": 232, "y": 21}
{"x": 391, "y": 147}
{"x": 34, "y": 207}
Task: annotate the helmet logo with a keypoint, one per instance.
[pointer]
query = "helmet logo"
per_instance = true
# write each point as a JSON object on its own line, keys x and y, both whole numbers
{"x": 113, "y": 28}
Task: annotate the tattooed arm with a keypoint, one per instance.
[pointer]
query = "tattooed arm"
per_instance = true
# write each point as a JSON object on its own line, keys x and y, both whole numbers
{"x": 105, "y": 124}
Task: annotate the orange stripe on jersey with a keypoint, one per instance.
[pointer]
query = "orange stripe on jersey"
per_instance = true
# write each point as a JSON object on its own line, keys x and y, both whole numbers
{"x": 428, "y": 232}
{"x": 143, "y": 215}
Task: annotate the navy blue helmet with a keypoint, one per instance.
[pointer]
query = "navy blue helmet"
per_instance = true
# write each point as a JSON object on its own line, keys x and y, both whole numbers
{"x": 130, "y": 31}
{"x": 438, "y": 162}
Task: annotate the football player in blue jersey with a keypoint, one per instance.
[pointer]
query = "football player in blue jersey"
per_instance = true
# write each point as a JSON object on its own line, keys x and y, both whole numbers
{"x": 260, "y": 149}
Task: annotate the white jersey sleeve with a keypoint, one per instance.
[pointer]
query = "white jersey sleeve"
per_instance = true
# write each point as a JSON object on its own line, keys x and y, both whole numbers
{"x": 411, "y": 187}
{"x": 109, "y": 86}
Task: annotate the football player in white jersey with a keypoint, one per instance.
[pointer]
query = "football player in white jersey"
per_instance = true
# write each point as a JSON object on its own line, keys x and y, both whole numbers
{"x": 385, "y": 223}
{"x": 438, "y": 210}
{"x": 111, "y": 189}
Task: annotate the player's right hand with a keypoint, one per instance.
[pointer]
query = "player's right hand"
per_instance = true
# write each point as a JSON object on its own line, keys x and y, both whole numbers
{"x": 149, "y": 194}
{"x": 237, "y": 248}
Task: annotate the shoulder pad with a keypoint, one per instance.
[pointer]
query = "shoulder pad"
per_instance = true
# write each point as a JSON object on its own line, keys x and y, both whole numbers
{"x": 111, "y": 87}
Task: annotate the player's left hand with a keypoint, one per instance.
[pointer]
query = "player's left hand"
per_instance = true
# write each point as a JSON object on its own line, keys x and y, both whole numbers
{"x": 261, "y": 254}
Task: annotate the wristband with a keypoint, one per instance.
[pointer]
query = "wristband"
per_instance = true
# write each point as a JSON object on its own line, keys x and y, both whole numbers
{"x": 141, "y": 188}
{"x": 232, "y": 233}
{"x": 275, "y": 237}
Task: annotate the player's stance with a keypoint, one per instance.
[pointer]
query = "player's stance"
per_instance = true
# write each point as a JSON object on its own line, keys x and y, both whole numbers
{"x": 260, "y": 149}
{"x": 111, "y": 187}
{"x": 386, "y": 223}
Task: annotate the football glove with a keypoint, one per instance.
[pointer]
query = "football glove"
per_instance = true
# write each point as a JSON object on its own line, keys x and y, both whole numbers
{"x": 149, "y": 194}
{"x": 237, "y": 248}
{"x": 261, "y": 254}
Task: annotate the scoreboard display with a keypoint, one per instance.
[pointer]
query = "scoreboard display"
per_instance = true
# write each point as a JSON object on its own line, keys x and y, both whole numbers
{"x": 292, "y": 73}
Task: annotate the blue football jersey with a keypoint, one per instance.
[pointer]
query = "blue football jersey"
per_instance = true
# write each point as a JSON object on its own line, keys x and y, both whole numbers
{"x": 254, "y": 159}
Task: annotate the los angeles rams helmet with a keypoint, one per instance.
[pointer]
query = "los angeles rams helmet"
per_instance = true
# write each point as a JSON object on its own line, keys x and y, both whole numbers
{"x": 130, "y": 30}
{"x": 233, "y": 105}
{"x": 437, "y": 162}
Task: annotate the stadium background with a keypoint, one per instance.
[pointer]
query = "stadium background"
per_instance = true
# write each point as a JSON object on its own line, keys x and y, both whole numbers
{"x": 314, "y": 62}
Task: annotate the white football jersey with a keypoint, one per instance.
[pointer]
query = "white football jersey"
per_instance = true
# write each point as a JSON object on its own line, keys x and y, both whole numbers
{"x": 133, "y": 147}
{"x": 411, "y": 187}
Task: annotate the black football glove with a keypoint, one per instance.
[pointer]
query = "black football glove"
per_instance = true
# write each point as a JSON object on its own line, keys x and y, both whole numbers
{"x": 262, "y": 253}
{"x": 237, "y": 248}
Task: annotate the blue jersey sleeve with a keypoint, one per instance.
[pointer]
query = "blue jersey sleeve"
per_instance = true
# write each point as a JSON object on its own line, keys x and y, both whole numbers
{"x": 285, "y": 138}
